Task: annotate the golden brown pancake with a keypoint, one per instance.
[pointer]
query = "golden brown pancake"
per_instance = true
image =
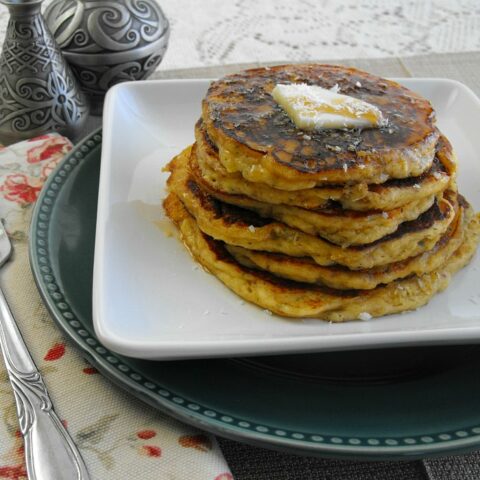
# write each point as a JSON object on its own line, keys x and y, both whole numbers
{"x": 305, "y": 270}
{"x": 335, "y": 224}
{"x": 244, "y": 228}
{"x": 361, "y": 196}
{"x": 332, "y": 222}
{"x": 255, "y": 136}
{"x": 301, "y": 300}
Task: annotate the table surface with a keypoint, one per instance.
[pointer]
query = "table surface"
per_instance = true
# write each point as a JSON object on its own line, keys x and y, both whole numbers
{"x": 219, "y": 32}
{"x": 215, "y": 32}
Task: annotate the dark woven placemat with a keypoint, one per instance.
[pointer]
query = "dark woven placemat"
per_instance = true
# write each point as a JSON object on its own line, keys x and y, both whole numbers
{"x": 461, "y": 467}
{"x": 254, "y": 463}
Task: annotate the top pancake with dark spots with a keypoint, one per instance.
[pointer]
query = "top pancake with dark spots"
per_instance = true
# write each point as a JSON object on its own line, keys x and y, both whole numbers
{"x": 242, "y": 107}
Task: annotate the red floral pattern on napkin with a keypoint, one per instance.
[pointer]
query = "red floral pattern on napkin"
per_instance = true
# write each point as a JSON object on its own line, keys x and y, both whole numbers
{"x": 50, "y": 149}
{"x": 17, "y": 187}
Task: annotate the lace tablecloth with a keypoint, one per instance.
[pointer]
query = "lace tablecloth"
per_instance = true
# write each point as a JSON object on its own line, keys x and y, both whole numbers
{"x": 214, "y": 32}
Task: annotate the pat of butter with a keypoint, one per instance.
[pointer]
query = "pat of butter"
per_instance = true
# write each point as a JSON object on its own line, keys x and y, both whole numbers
{"x": 314, "y": 108}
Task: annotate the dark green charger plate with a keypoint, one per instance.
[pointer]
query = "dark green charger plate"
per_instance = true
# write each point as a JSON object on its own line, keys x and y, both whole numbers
{"x": 379, "y": 404}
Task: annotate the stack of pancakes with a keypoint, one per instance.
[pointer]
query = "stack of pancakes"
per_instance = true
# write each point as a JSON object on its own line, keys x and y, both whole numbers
{"x": 336, "y": 224}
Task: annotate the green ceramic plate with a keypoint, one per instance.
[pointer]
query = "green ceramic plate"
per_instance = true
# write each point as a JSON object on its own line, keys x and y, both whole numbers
{"x": 366, "y": 404}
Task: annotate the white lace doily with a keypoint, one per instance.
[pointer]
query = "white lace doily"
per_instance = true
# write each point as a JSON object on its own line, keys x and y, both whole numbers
{"x": 212, "y": 32}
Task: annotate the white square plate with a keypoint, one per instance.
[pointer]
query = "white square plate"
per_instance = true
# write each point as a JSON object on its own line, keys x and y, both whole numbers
{"x": 150, "y": 299}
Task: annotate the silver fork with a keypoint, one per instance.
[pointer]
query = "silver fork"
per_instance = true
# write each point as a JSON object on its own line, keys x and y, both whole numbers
{"x": 50, "y": 452}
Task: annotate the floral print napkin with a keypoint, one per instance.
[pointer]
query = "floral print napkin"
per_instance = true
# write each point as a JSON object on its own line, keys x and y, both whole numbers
{"x": 119, "y": 436}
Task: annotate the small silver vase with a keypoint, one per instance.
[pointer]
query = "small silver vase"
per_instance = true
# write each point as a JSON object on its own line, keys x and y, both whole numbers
{"x": 38, "y": 92}
{"x": 109, "y": 41}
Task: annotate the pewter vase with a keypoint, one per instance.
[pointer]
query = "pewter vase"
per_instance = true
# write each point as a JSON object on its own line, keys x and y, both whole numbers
{"x": 109, "y": 41}
{"x": 38, "y": 92}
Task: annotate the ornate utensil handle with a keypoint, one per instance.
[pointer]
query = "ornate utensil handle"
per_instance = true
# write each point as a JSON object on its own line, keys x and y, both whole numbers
{"x": 49, "y": 451}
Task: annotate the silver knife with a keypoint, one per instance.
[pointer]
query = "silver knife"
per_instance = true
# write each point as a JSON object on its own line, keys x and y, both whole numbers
{"x": 50, "y": 453}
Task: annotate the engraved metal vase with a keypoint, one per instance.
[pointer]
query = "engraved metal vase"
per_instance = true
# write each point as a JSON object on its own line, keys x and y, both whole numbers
{"x": 38, "y": 92}
{"x": 109, "y": 41}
